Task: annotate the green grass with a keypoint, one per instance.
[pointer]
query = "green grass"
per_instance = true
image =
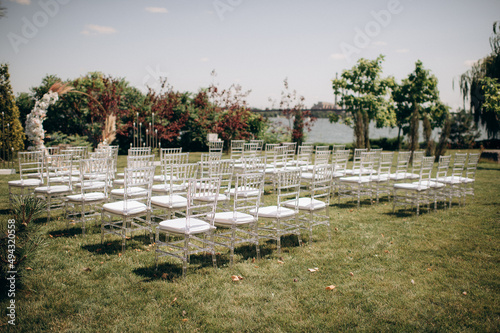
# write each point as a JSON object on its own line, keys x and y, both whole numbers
{"x": 444, "y": 253}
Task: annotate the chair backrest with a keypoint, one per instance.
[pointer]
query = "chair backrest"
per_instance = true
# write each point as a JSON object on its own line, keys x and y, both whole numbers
{"x": 139, "y": 177}
{"x": 206, "y": 164}
{"x": 443, "y": 165}
{"x": 137, "y": 161}
{"x": 279, "y": 156}
{"x": 95, "y": 174}
{"x": 53, "y": 150}
{"x": 215, "y": 146}
{"x": 322, "y": 157}
{"x": 58, "y": 169}
{"x": 288, "y": 186}
{"x": 385, "y": 163}
{"x": 170, "y": 159}
{"x": 322, "y": 148}
{"x": 457, "y": 168}
{"x": 304, "y": 154}
{"x": 270, "y": 146}
{"x": 321, "y": 182}
{"x": 248, "y": 189}
{"x": 356, "y": 161}
{"x": 471, "y": 167}
{"x": 253, "y": 164}
{"x": 426, "y": 166}
{"x": 260, "y": 144}
{"x": 139, "y": 151}
{"x": 224, "y": 169}
{"x": 341, "y": 158}
{"x": 402, "y": 163}
{"x": 366, "y": 163}
{"x": 417, "y": 159}
{"x": 201, "y": 209}
{"x": 30, "y": 163}
{"x": 338, "y": 147}
{"x": 236, "y": 149}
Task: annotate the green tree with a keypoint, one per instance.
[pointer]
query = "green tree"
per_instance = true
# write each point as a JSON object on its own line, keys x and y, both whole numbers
{"x": 417, "y": 99}
{"x": 364, "y": 93}
{"x": 12, "y": 131}
{"x": 463, "y": 132}
{"x": 473, "y": 87}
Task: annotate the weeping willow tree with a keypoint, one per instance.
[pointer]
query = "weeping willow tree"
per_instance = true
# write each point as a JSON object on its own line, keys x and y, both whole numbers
{"x": 474, "y": 84}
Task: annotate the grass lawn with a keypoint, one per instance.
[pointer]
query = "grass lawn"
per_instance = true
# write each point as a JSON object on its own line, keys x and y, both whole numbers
{"x": 393, "y": 272}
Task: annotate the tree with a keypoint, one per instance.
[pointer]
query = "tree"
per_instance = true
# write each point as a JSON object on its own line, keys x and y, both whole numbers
{"x": 463, "y": 133}
{"x": 417, "y": 99}
{"x": 473, "y": 87}
{"x": 364, "y": 94}
{"x": 12, "y": 131}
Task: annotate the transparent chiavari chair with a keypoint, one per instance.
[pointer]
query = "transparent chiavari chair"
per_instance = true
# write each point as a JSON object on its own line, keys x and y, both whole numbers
{"x": 30, "y": 164}
{"x": 358, "y": 185}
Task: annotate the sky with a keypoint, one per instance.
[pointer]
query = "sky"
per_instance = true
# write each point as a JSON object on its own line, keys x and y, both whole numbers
{"x": 253, "y": 43}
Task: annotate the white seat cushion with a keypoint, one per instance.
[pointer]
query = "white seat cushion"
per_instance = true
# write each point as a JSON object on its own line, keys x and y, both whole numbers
{"x": 229, "y": 218}
{"x": 179, "y": 226}
{"x": 125, "y": 208}
{"x": 306, "y": 204}
{"x": 132, "y": 192}
{"x": 466, "y": 180}
{"x": 168, "y": 188}
{"x": 25, "y": 182}
{"x": 431, "y": 184}
{"x": 448, "y": 180}
{"x": 87, "y": 197}
{"x": 380, "y": 178}
{"x": 411, "y": 186}
{"x": 63, "y": 179}
{"x": 91, "y": 185}
{"x": 53, "y": 189}
{"x": 169, "y": 201}
{"x": 355, "y": 179}
{"x": 244, "y": 192}
{"x": 210, "y": 197}
{"x": 162, "y": 178}
{"x": 273, "y": 212}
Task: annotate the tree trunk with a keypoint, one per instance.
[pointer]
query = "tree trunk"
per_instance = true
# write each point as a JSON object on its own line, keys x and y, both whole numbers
{"x": 443, "y": 138}
{"x": 366, "y": 122}
{"x": 414, "y": 124}
{"x": 427, "y": 136}
{"x": 359, "y": 131}
{"x": 399, "y": 138}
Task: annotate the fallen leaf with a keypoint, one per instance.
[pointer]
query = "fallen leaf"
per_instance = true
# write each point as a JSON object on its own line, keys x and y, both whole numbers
{"x": 29, "y": 268}
{"x": 108, "y": 244}
{"x": 183, "y": 313}
{"x": 102, "y": 262}
{"x": 256, "y": 266}
{"x": 386, "y": 251}
{"x": 315, "y": 269}
{"x": 164, "y": 276}
{"x": 119, "y": 254}
{"x": 382, "y": 235}
{"x": 351, "y": 210}
{"x": 412, "y": 282}
{"x": 429, "y": 269}
{"x": 280, "y": 262}
{"x": 175, "y": 299}
{"x": 98, "y": 250}
{"x": 336, "y": 229}
{"x": 351, "y": 274}
{"x": 138, "y": 250}
{"x": 235, "y": 278}
{"x": 51, "y": 236}
{"x": 464, "y": 293}
{"x": 392, "y": 242}
{"x": 295, "y": 280}
{"x": 253, "y": 260}
{"x": 330, "y": 287}
{"x": 87, "y": 269}
{"x": 185, "y": 319}
{"x": 240, "y": 277}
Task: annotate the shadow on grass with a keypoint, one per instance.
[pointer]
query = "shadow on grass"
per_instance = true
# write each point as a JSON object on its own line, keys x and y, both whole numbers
{"x": 114, "y": 246}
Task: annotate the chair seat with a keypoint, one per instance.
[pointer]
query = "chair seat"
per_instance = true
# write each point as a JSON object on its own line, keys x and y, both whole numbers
{"x": 162, "y": 178}
{"x": 169, "y": 201}
{"x": 244, "y": 192}
{"x": 132, "y": 192}
{"x": 53, "y": 189}
{"x": 211, "y": 197}
{"x": 306, "y": 204}
{"x": 180, "y": 226}
{"x": 411, "y": 187}
{"x": 63, "y": 179}
{"x": 431, "y": 184}
{"x": 91, "y": 185}
{"x": 25, "y": 182}
{"x": 166, "y": 188}
{"x": 273, "y": 212}
{"x": 448, "y": 180}
{"x": 87, "y": 197}
{"x": 230, "y": 218}
{"x": 125, "y": 208}
{"x": 37, "y": 175}
{"x": 466, "y": 180}
{"x": 380, "y": 178}
{"x": 355, "y": 179}
{"x": 338, "y": 174}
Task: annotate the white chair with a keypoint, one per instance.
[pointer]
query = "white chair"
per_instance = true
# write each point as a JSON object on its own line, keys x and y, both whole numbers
{"x": 279, "y": 220}
{"x": 250, "y": 164}
{"x": 133, "y": 162}
{"x": 236, "y": 149}
{"x": 168, "y": 161}
{"x": 139, "y": 151}
{"x": 402, "y": 164}
{"x": 439, "y": 192}
{"x": 454, "y": 181}
{"x": 92, "y": 191}
{"x": 380, "y": 182}
{"x": 339, "y": 159}
{"x": 192, "y": 233}
{"x": 58, "y": 181}
{"x": 356, "y": 161}
{"x": 174, "y": 201}
{"x": 224, "y": 170}
{"x": 416, "y": 163}
{"x": 132, "y": 213}
{"x": 215, "y": 146}
{"x": 238, "y": 225}
{"x": 358, "y": 185}
{"x": 337, "y": 148}
{"x": 418, "y": 192}
{"x": 260, "y": 144}
{"x": 30, "y": 164}
{"x": 470, "y": 175}
{"x": 314, "y": 203}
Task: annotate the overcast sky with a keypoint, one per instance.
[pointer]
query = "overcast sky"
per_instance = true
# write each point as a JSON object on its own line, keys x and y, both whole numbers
{"x": 255, "y": 43}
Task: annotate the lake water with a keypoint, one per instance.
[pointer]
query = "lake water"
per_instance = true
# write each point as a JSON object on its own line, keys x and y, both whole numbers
{"x": 325, "y": 132}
